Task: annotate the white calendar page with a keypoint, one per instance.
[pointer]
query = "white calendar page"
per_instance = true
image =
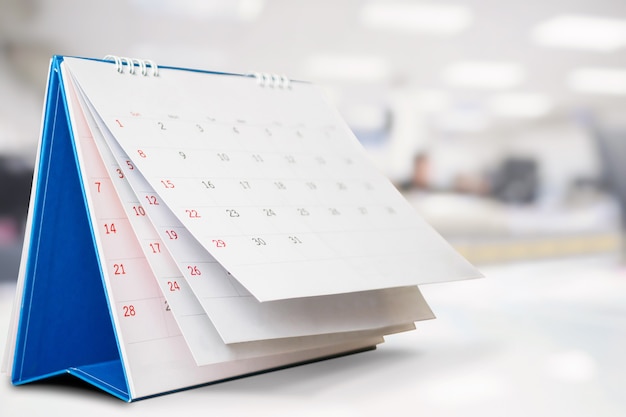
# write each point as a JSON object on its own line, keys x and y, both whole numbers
{"x": 314, "y": 217}
{"x": 156, "y": 356}
{"x": 132, "y": 287}
{"x": 237, "y": 315}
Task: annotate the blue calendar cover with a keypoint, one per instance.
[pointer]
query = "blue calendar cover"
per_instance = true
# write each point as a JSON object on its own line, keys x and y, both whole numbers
{"x": 65, "y": 325}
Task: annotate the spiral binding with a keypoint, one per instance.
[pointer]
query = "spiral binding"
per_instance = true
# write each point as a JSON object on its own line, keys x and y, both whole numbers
{"x": 271, "y": 80}
{"x": 132, "y": 63}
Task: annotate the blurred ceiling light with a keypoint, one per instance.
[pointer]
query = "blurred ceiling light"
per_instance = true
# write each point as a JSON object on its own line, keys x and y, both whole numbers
{"x": 582, "y": 32}
{"x": 365, "y": 116}
{"x": 463, "y": 119}
{"x": 520, "y": 105}
{"x": 484, "y": 75}
{"x": 243, "y": 10}
{"x": 432, "y": 101}
{"x": 608, "y": 81}
{"x": 411, "y": 17}
{"x": 345, "y": 67}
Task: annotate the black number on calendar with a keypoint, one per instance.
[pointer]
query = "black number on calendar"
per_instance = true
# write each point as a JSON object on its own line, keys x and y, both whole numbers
{"x": 362, "y": 210}
{"x": 295, "y": 239}
{"x": 259, "y": 241}
{"x": 269, "y": 212}
{"x": 279, "y": 185}
{"x": 334, "y": 211}
{"x": 299, "y": 134}
{"x": 232, "y": 213}
{"x": 311, "y": 185}
{"x": 342, "y": 186}
{"x": 268, "y": 131}
{"x": 223, "y": 156}
{"x": 182, "y": 155}
{"x": 245, "y": 185}
{"x": 161, "y": 126}
{"x": 303, "y": 212}
{"x": 290, "y": 159}
{"x": 257, "y": 158}
{"x": 235, "y": 129}
{"x": 208, "y": 184}
{"x": 200, "y": 128}
{"x": 391, "y": 210}
{"x": 320, "y": 160}
{"x": 167, "y": 306}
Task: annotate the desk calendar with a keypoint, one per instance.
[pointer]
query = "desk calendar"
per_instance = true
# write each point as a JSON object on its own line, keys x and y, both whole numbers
{"x": 188, "y": 227}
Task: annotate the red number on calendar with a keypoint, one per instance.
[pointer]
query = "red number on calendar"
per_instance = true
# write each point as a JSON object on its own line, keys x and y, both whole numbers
{"x": 118, "y": 269}
{"x": 119, "y": 123}
{"x": 110, "y": 228}
{"x": 139, "y": 211}
{"x": 129, "y": 311}
{"x": 171, "y": 234}
{"x": 194, "y": 270}
{"x": 219, "y": 243}
{"x": 141, "y": 153}
{"x": 193, "y": 214}
{"x": 167, "y": 184}
{"x": 173, "y": 285}
{"x": 130, "y": 165}
{"x": 98, "y": 186}
{"x": 120, "y": 174}
{"x": 152, "y": 200}
{"x": 156, "y": 247}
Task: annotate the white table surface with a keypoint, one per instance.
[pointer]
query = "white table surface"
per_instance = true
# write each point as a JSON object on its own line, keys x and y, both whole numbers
{"x": 531, "y": 339}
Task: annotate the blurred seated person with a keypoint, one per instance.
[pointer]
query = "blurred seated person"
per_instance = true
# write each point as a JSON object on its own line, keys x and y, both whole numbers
{"x": 514, "y": 181}
{"x": 420, "y": 175}
{"x": 421, "y": 179}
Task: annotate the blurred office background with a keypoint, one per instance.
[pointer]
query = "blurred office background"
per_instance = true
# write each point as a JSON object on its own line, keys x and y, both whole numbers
{"x": 510, "y": 113}
{"x": 502, "y": 121}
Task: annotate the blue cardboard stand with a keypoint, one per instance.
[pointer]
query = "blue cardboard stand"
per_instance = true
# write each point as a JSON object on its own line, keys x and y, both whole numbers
{"x": 65, "y": 324}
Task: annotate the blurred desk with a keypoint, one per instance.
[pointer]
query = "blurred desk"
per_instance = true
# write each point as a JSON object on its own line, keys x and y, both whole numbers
{"x": 531, "y": 339}
{"x": 486, "y": 230}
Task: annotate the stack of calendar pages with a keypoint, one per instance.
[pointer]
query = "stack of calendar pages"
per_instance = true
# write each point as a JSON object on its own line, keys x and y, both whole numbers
{"x": 188, "y": 227}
